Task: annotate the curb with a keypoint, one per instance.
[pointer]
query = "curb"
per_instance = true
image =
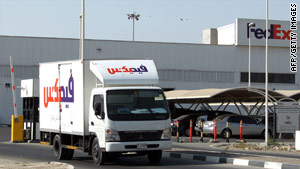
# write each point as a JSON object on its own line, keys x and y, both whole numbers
{"x": 233, "y": 161}
{"x": 51, "y": 164}
{"x": 69, "y": 166}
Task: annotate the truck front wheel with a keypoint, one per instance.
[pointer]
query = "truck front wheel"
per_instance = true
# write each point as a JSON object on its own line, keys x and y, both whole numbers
{"x": 154, "y": 156}
{"x": 59, "y": 152}
{"x": 97, "y": 154}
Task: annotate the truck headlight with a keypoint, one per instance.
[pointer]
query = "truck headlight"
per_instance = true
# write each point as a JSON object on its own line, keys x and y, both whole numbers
{"x": 166, "y": 135}
{"x": 111, "y": 135}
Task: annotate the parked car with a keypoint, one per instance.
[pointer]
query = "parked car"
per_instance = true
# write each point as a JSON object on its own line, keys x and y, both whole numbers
{"x": 184, "y": 121}
{"x": 208, "y": 117}
{"x": 184, "y": 124}
{"x": 250, "y": 126}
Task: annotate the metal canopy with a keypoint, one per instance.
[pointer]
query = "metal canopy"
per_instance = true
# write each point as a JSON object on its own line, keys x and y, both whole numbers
{"x": 224, "y": 97}
{"x": 242, "y": 94}
{"x": 294, "y": 94}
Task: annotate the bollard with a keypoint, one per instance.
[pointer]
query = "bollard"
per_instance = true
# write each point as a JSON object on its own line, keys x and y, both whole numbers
{"x": 191, "y": 130}
{"x": 16, "y": 128}
{"x": 215, "y": 130}
{"x": 227, "y": 132}
{"x": 201, "y": 131}
{"x": 177, "y": 130}
{"x": 241, "y": 130}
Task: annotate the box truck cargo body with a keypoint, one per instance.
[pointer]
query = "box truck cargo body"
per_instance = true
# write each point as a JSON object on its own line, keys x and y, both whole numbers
{"x": 104, "y": 107}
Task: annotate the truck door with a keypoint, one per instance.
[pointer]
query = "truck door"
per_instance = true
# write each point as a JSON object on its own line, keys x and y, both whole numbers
{"x": 66, "y": 83}
{"x": 97, "y": 124}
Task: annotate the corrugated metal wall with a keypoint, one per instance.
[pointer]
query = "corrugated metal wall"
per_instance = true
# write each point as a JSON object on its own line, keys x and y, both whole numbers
{"x": 29, "y": 51}
{"x": 6, "y": 103}
{"x": 180, "y": 66}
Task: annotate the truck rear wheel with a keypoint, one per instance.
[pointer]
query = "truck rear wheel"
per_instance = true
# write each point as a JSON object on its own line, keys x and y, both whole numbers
{"x": 155, "y": 156}
{"x": 59, "y": 152}
{"x": 97, "y": 154}
{"x": 70, "y": 154}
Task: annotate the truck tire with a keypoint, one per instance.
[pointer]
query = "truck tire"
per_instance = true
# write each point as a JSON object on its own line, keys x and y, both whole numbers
{"x": 59, "y": 152}
{"x": 97, "y": 154}
{"x": 70, "y": 154}
{"x": 155, "y": 156}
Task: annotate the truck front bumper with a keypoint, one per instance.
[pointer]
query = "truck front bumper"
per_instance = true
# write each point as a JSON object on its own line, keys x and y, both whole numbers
{"x": 138, "y": 146}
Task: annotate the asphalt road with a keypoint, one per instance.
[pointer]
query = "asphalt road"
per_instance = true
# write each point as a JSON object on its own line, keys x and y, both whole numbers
{"x": 34, "y": 152}
{"x": 206, "y": 147}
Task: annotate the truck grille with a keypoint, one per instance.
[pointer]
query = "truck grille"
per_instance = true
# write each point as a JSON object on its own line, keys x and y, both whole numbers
{"x": 148, "y": 135}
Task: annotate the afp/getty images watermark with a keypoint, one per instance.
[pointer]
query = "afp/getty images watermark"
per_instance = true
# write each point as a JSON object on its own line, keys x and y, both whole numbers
{"x": 293, "y": 35}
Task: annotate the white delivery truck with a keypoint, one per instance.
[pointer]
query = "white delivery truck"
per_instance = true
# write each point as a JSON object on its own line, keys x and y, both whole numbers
{"x": 107, "y": 108}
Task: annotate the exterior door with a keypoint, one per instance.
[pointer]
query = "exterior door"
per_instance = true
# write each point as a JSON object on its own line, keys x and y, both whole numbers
{"x": 97, "y": 124}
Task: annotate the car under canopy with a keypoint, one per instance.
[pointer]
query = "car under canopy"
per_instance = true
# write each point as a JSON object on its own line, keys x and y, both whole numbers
{"x": 221, "y": 98}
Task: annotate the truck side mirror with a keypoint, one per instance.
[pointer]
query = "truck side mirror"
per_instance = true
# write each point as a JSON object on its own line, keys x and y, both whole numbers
{"x": 99, "y": 110}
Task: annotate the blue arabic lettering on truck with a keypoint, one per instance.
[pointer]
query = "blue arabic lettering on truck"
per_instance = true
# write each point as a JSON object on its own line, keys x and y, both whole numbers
{"x": 66, "y": 96}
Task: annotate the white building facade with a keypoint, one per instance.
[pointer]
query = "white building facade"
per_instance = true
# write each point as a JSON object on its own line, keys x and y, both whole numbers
{"x": 180, "y": 66}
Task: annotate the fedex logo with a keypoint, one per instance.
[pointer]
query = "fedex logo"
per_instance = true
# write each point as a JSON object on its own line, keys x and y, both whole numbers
{"x": 275, "y": 32}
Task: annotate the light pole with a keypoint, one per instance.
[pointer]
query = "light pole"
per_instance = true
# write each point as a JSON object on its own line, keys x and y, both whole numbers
{"x": 266, "y": 87}
{"x": 82, "y": 30}
{"x": 133, "y": 16}
{"x": 249, "y": 62}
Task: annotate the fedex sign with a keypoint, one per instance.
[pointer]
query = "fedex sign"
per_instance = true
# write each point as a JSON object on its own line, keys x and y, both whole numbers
{"x": 275, "y": 32}
{"x": 238, "y": 33}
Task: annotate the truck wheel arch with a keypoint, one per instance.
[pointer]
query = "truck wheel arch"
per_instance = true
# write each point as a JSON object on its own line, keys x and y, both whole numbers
{"x": 92, "y": 137}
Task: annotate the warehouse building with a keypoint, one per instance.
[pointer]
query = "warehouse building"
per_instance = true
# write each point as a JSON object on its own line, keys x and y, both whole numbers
{"x": 221, "y": 61}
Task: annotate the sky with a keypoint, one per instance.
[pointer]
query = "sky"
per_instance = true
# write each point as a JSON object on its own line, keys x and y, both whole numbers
{"x": 179, "y": 21}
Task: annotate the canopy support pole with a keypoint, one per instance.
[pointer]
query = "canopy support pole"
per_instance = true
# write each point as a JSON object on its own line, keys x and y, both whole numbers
{"x": 226, "y": 106}
{"x": 220, "y": 106}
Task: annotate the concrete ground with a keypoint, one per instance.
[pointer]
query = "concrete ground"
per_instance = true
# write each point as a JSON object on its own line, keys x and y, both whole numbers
{"x": 22, "y": 164}
{"x": 220, "y": 152}
{"x": 281, "y": 154}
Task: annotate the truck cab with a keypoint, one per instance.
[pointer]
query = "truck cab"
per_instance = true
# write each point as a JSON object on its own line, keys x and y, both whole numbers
{"x": 129, "y": 120}
{"x": 129, "y": 113}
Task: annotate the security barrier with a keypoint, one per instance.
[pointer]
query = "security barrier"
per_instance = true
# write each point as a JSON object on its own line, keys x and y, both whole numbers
{"x": 201, "y": 131}
{"x": 16, "y": 128}
{"x": 241, "y": 130}
{"x": 215, "y": 131}
{"x": 191, "y": 129}
{"x": 177, "y": 131}
{"x": 227, "y": 132}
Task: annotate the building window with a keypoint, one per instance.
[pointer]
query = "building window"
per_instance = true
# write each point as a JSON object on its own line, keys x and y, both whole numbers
{"x": 273, "y": 77}
{"x": 195, "y": 76}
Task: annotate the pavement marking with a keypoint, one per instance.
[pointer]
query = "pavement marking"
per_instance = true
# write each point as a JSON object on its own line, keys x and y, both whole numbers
{"x": 273, "y": 165}
{"x": 242, "y": 162}
{"x": 186, "y": 156}
{"x": 212, "y": 159}
{"x": 44, "y": 143}
{"x": 166, "y": 154}
{"x": 233, "y": 161}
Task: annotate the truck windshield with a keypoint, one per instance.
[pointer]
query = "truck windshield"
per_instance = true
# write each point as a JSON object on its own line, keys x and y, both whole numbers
{"x": 136, "y": 105}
